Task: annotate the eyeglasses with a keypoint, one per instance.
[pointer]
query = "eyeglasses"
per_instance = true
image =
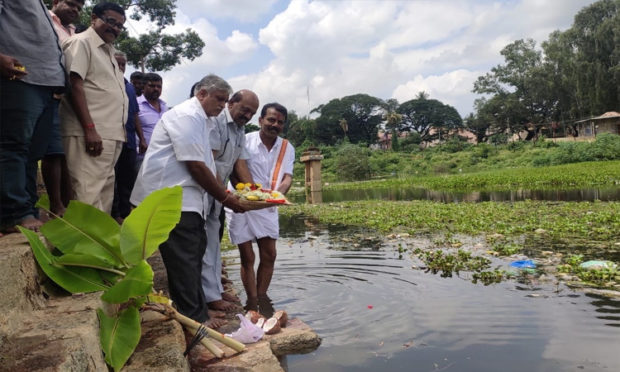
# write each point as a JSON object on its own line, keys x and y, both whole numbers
{"x": 112, "y": 22}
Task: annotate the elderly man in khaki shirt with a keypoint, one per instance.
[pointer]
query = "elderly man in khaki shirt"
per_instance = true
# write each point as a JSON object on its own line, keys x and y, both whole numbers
{"x": 94, "y": 114}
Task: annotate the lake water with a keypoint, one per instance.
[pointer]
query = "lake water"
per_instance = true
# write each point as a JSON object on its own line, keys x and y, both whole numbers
{"x": 399, "y": 193}
{"x": 375, "y": 312}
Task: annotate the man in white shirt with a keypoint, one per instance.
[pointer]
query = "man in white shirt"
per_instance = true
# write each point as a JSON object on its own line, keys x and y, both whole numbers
{"x": 228, "y": 144}
{"x": 179, "y": 154}
{"x": 264, "y": 149}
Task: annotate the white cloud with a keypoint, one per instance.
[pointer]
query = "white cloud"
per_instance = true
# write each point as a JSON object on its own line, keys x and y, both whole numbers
{"x": 383, "y": 48}
{"x": 241, "y": 10}
{"x": 452, "y": 88}
{"x": 217, "y": 54}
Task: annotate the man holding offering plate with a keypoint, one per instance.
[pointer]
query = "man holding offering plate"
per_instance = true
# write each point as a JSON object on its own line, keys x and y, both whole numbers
{"x": 270, "y": 162}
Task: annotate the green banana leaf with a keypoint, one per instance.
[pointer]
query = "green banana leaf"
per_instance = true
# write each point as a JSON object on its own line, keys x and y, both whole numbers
{"x": 85, "y": 229}
{"x": 73, "y": 279}
{"x": 44, "y": 202}
{"x": 108, "y": 277}
{"x": 84, "y": 260}
{"x": 119, "y": 335}
{"x": 150, "y": 224}
{"x": 137, "y": 282}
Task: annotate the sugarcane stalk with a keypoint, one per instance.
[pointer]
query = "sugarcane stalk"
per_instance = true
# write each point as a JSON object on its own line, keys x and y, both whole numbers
{"x": 192, "y": 324}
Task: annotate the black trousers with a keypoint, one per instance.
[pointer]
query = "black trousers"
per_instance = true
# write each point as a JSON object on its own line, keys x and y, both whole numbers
{"x": 125, "y": 177}
{"x": 182, "y": 255}
{"x": 222, "y": 222}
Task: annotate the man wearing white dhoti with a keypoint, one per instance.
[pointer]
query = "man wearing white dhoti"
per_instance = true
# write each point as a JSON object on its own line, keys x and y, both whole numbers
{"x": 270, "y": 162}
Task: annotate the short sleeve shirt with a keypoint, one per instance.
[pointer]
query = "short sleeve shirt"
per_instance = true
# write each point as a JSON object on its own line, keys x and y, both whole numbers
{"x": 228, "y": 143}
{"x": 181, "y": 135}
{"x": 104, "y": 86}
{"x": 149, "y": 117}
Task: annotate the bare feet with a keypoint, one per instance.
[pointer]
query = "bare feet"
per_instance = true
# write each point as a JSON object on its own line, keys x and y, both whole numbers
{"x": 31, "y": 223}
{"x": 58, "y": 210}
{"x": 221, "y": 305}
{"x": 215, "y": 323}
{"x": 216, "y": 314}
{"x": 229, "y": 297}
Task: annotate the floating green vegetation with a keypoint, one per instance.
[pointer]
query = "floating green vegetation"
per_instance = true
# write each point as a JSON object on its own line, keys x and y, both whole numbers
{"x": 448, "y": 240}
{"x": 597, "y": 222}
{"x": 506, "y": 249}
{"x": 489, "y": 277}
{"x": 453, "y": 263}
{"x": 576, "y": 175}
{"x": 605, "y": 275}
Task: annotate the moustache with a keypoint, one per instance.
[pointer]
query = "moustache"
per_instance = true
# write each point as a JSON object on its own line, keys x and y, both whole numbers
{"x": 112, "y": 32}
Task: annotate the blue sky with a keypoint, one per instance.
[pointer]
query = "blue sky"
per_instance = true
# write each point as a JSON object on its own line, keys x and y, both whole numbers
{"x": 282, "y": 49}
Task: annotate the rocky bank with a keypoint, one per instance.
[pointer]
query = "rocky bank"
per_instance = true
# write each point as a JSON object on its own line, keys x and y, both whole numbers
{"x": 42, "y": 328}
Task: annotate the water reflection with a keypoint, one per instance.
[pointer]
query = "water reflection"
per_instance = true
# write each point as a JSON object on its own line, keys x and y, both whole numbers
{"x": 399, "y": 193}
{"x": 375, "y": 313}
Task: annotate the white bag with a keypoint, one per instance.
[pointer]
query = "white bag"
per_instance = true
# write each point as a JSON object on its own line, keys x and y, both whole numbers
{"x": 248, "y": 332}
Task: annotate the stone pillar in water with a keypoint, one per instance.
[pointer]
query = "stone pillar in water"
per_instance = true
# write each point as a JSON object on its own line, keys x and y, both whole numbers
{"x": 312, "y": 158}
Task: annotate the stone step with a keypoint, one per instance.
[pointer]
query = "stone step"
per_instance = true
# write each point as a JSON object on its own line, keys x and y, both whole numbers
{"x": 19, "y": 288}
{"x": 64, "y": 336}
{"x": 161, "y": 346}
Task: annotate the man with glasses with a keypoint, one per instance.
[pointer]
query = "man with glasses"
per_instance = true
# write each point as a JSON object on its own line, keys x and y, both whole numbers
{"x": 94, "y": 114}
{"x": 228, "y": 143}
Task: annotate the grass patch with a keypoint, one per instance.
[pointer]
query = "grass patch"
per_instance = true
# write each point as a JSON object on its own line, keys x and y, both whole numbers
{"x": 586, "y": 174}
{"x": 460, "y": 158}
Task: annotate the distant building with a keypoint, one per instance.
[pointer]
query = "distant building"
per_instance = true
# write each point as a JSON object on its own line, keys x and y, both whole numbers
{"x": 384, "y": 139}
{"x": 609, "y": 122}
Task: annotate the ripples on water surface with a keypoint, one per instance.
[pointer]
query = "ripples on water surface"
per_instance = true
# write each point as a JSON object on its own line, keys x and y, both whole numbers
{"x": 375, "y": 313}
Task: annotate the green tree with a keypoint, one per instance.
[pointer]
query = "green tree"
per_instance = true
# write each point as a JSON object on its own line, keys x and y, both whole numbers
{"x": 392, "y": 121}
{"x": 362, "y": 113}
{"x": 585, "y": 62}
{"x": 522, "y": 86}
{"x": 154, "y": 50}
{"x": 421, "y": 114}
{"x": 299, "y": 130}
{"x": 352, "y": 162}
{"x": 577, "y": 76}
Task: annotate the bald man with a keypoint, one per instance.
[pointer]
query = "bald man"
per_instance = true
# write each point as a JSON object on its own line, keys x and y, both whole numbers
{"x": 228, "y": 144}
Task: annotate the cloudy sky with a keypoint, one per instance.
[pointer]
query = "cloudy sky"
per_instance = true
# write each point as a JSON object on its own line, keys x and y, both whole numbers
{"x": 303, "y": 53}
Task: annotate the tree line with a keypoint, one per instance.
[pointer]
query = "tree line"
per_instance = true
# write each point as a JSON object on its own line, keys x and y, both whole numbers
{"x": 574, "y": 75}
